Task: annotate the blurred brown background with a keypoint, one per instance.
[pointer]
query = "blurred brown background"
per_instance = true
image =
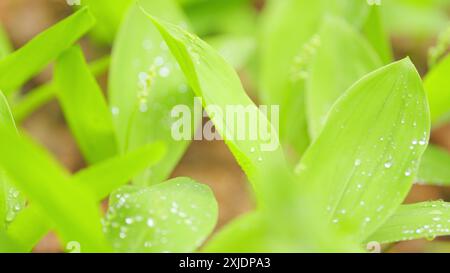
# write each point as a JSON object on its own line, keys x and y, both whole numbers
{"x": 208, "y": 162}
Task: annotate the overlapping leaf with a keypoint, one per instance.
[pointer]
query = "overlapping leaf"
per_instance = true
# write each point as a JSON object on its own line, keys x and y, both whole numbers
{"x": 40, "y": 51}
{"x": 72, "y": 209}
{"x": 84, "y": 107}
{"x": 437, "y": 85}
{"x": 369, "y": 149}
{"x": 342, "y": 58}
{"x": 421, "y": 220}
{"x": 435, "y": 167}
{"x": 145, "y": 85}
{"x": 100, "y": 179}
{"x": 174, "y": 216}
{"x": 215, "y": 81}
{"x": 11, "y": 201}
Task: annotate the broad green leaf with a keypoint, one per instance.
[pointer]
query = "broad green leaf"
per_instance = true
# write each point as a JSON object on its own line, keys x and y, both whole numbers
{"x": 375, "y": 32}
{"x": 226, "y": 103}
{"x": 409, "y": 222}
{"x": 342, "y": 58}
{"x": 434, "y": 167}
{"x": 174, "y": 216}
{"x": 369, "y": 149}
{"x": 145, "y": 84}
{"x": 100, "y": 179}
{"x": 84, "y": 106}
{"x": 5, "y": 44}
{"x": 437, "y": 85}
{"x": 11, "y": 201}
{"x": 72, "y": 209}
{"x": 41, "y": 95}
{"x": 20, "y": 66}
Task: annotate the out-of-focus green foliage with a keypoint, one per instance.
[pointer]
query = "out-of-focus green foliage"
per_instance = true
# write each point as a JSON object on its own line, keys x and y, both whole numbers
{"x": 11, "y": 201}
{"x": 344, "y": 57}
{"x": 5, "y": 44}
{"x": 84, "y": 106}
{"x": 72, "y": 209}
{"x": 216, "y": 82}
{"x": 421, "y": 220}
{"x": 145, "y": 83}
{"x": 437, "y": 84}
{"x": 44, "y": 93}
{"x": 100, "y": 180}
{"x": 44, "y": 48}
{"x": 434, "y": 167}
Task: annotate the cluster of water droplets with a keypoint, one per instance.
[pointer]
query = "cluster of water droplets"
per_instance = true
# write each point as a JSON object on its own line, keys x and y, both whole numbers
{"x": 14, "y": 203}
{"x": 437, "y": 223}
{"x": 132, "y": 222}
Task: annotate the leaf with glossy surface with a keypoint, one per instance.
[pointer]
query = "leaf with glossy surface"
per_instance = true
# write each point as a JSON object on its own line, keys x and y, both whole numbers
{"x": 409, "y": 222}
{"x": 369, "y": 149}
{"x": 19, "y": 66}
{"x": 145, "y": 84}
{"x": 342, "y": 58}
{"x": 101, "y": 179}
{"x": 434, "y": 167}
{"x": 84, "y": 106}
{"x": 174, "y": 216}
{"x": 437, "y": 85}
{"x": 216, "y": 82}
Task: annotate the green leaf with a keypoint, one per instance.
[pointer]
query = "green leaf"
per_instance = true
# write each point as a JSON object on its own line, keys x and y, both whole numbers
{"x": 369, "y": 149}
{"x": 280, "y": 43}
{"x": 174, "y": 216}
{"x": 72, "y": 209}
{"x": 342, "y": 57}
{"x": 286, "y": 51}
{"x": 41, "y": 95}
{"x": 377, "y": 35}
{"x": 100, "y": 179}
{"x": 434, "y": 167}
{"x": 84, "y": 106}
{"x": 236, "y": 50}
{"x": 5, "y": 44}
{"x": 109, "y": 175}
{"x": 215, "y": 81}
{"x": 20, "y": 66}
{"x": 409, "y": 222}
{"x": 236, "y": 17}
{"x": 11, "y": 201}
{"x": 7, "y": 245}
{"x": 437, "y": 85}
{"x": 145, "y": 84}
{"x": 248, "y": 233}
{"x": 109, "y": 15}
